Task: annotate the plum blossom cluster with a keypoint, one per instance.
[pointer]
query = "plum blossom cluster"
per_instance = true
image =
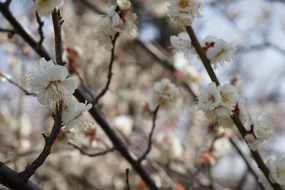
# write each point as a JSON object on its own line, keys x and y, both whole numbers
{"x": 218, "y": 51}
{"x": 119, "y": 18}
{"x": 183, "y": 12}
{"x": 218, "y": 102}
{"x": 51, "y": 84}
{"x": 45, "y": 7}
{"x": 166, "y": 93}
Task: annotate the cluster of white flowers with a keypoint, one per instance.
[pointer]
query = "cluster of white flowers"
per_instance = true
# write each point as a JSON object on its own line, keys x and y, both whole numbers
{"x": 118, "y": 19}
{"x": 276, "y": 167}
{"x": 261, "y": 130}
{"x": 218, "y": 51}
{"x": 52, "y": 84}
{"x": 183, "y": 12}
{"x": 181, "y": 43}
{"x": 166, "y": 93}
{"x": 218, "y": 102}
{"x": 45, "y": 7}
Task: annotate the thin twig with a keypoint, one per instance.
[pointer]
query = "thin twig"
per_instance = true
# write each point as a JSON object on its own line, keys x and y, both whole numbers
{"x": 112, "y": 59}
{"x": 16, "y": 84}
{"x": 256, "y": 156}
{"x": 57, "y": 22}
{"x": 82, "y": 151}
{"x": 7, "y": 30}
{"x": 143, "y": 156}
{"x": 127, "y": 179}
{"x": 49, "y": 141}
{"x": 40, "y": 28}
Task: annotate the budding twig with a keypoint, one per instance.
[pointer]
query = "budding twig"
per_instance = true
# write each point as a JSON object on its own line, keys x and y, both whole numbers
{"x": 84, "y": 152}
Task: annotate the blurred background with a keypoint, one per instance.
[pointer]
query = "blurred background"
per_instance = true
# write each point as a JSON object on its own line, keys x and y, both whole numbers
{"x": 187, "y": 153}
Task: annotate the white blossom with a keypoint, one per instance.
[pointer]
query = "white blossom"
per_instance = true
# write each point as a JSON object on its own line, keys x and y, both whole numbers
{"x": 218, "y": 51}
{"x": 181, "y": 43}
{"x": 209, "y": 97}
{"x": 262, "y": 125}
{"x": 229, "y": 96}
{"x": 51, "y": 82}
{"x": 72, "y": 115}
{"x": 45, "y": 7}
{"x": 166, "y": 93}
{"x": 276, "y": 167}
{"x": 183, "y": 12}
{"x": 124, "y": 124}
{"x": 118, "y": 19}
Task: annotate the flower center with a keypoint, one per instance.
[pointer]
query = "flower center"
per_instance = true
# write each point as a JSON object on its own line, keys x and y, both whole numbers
{"x": 183, "y": 4}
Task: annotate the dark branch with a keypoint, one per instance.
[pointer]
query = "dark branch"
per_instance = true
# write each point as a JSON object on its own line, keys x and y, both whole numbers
{"x": 84, "y": 152}
{"x": 127, "y": 179}
{"x": 112, "y": 59}
{"x": 12, "y": 180}
{"x": 16, "y": 84}
{"x": 49, "y": 141}
{"x": 94, "y": 111}
{"x": 7, "y": 30}
{"x": 57, "y": 22}
{"x": 40, "y": 28}
{"x": 150, "y": 136}
{"x": 256, "y": 156}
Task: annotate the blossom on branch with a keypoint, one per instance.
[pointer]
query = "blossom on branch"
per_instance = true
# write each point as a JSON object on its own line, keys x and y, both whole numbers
{"x": 166, "y": 93}
{"x": 118, "y": 19}
{"x": 218, "y": 51}
{"x": 181, "y": 43}
{"x": 51, "y": 83}
{"x": 45, "y": 7}
{"x": 218, "y": 102}
{"x": 276, "y": 167}
{"x": 183, "y": 12}
{"x": 72, "y": 115}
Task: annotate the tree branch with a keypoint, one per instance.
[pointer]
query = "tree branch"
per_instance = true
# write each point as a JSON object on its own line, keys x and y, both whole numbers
{"x": 12, "y": 180}
{"x": 105, "y": 89}
{"x": 40, "y": 28}
{"x": 16, "y": 84}
{"x": 82, "y": 151}
{"x": 49, "y": 141}
{"x": 94, "y": 111}
{"x": 256, "y": 156}
{"x": 150, "y": 136}
{"x": 57, "y": 22}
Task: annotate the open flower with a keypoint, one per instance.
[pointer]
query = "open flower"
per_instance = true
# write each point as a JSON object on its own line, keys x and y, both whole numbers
{"x": 45, "y": 7}
{"x": 209, "y": 97}
{"x": 166, "y": 93}
{"x": 181, "y": 43}
{"x": 218, "y": 51}
{"x": 183, "y": 12}
{"x": 228, "y": 96}
{"x": 72, "y": 115}
{"x": 50, "y": 83}
{"x": 276, "y": 167}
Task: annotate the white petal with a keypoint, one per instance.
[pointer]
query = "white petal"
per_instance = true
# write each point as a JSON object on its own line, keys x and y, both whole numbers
{"x": 57, "y": 73}
{"x": 70, "y": 84}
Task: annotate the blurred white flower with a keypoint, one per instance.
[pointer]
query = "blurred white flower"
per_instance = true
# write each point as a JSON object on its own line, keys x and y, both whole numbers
{"x": 209, "y": 97}
{"x": 262, "y": 125}
{"x": 118, "y": 19}
{"x": 218, "y": 103}
{"x": 183, "y": 12}
{"x": 124, "y": 5}
{"x": 50, "y": 83}
{"x": 45, "y": 7}
{"x": 72, "y": 115}
{"x": 276, "y": 167}
{"x": 124, "y": 124}
{"x": 171, "y": 147}
{"x": 181, "y": 43}
{"x": 218, "y": 51}
{"x": 222, "y": 147}
{"x": 166, "y": 93}
{"x": 229, "y": 96}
